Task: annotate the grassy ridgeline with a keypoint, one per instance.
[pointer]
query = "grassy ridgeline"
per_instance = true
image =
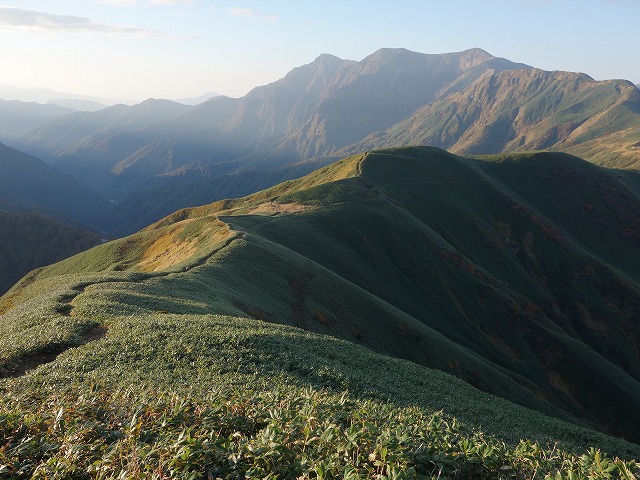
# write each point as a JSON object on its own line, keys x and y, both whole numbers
{"x": 146, "y": 364}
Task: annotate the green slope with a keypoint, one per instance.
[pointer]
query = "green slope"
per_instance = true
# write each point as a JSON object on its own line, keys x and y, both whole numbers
{"x": 492, "y": 269}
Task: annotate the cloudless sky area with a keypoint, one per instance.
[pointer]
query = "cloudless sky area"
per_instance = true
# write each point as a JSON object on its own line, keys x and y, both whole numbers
{"x": 136, "y": 49}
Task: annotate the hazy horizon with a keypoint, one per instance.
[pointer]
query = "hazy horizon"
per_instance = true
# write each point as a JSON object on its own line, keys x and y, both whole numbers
{"x": 130, "y": 50}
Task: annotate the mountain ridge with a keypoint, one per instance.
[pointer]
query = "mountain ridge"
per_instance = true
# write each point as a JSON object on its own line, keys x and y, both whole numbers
{"x": 368, "y": 302}
{"x": 543, "y": 111}
{"x": 102, "y": 124}
{"x": 376, "y": 249}
{"x": 18, "y": 118}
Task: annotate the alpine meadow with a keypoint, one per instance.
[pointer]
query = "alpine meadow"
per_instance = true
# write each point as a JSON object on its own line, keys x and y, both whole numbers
{"x": 409, "y": 266}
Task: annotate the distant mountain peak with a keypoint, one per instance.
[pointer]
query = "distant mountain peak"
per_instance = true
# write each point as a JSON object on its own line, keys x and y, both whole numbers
{"x": 323, "y": 62}
{"x": 386, "y": 54}
{"x": 405, "y": 51}
{"x": 325, "y": 57}
{"x": 474, "y": 56}
{"x": 477, "y": 50}
{"x": 198, "y": 100}
{"x": 398, "y": 57}
{"x": 157, "y": 101}
{"x": 392, "y": 51}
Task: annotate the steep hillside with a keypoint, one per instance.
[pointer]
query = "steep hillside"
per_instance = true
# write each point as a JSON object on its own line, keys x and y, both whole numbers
{"x": 30, "y": 240}
{"x": 360, "y": 97}
{"x": 512, "y": 273}
{"x": 27, "y": 183}
{"x": 78, "y": 130}
{"x": 522, "y": 110}
{"x": 380, "y": 90}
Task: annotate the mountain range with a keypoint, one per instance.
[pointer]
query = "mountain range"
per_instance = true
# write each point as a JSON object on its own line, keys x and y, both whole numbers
{"x": 29, "y": 184}
{"x": 220, "y": 131}
{"x": 510, "y": 272}
{"x": 468, "y": 102}
{"x": 19, "y": 118}
{"x": 48, "y": 95}
{"x": 529, "y": 110}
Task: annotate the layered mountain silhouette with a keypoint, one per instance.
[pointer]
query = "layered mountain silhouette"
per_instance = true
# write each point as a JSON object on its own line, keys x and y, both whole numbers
{"x": 29, "y": 184}
{"x": 312, "y": 111}
{"x": 88, "y": 142}
{"x": 511, "y": 272}
{"x": 19, "y": 118}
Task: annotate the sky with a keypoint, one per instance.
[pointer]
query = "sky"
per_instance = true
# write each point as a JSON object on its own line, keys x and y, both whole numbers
{"x": 136, "y": 49}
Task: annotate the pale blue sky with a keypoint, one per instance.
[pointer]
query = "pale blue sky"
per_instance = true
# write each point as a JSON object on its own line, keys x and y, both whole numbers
{"x": 135, "y": 49}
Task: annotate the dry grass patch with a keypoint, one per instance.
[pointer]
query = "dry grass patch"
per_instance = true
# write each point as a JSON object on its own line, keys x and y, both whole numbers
{"x": 273, "y": 208}
{"x": 172, "y": 248}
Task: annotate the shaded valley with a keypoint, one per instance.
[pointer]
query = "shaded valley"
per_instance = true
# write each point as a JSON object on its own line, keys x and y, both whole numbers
{"x": 32, "y": 240}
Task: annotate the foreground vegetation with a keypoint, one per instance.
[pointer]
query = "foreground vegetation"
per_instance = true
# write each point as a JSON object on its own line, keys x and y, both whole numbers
{"x": 171, "y": 396}
{"x": 281, "y": 434}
